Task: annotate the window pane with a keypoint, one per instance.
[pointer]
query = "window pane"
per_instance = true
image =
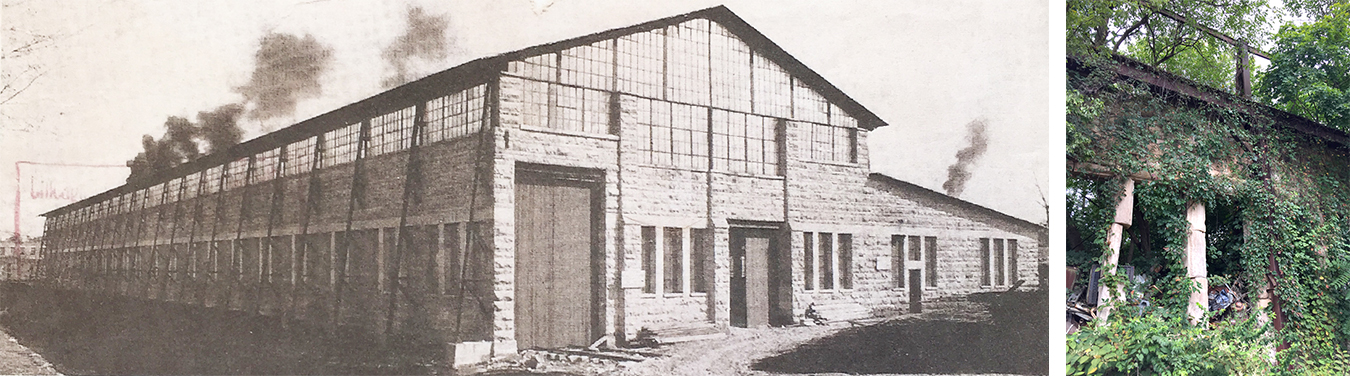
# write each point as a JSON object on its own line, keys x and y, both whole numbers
{"x": 984, "y": 262}
{"x": 700, "y": 259}
{"x": 845, "y": 261}
{"x": 674, "y": 259}
{"x": 898, "y": 260}
{"x": 641, "y": 67}
{"x": 455, "y": 115}
{"x": 915, "y": 247}
{"x": 1000, "y": 278}
{"x": 809, "y": 258}
{"x": 930, "y": 260}
{"x": 773, "y": 89}
{"x": 589, "y": 66}
{"x": 731, "y": 70}
{"x": 826, "y": 261}
{"x": 687, "y": 63}
{"x": 649, "y": 258}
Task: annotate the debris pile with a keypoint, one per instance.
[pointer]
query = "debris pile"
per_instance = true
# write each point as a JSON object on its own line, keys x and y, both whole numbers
{"x": 1226, "y": 299}
{"x": 569, "y": 360}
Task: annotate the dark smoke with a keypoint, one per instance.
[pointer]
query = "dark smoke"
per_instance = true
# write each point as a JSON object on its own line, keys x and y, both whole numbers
{"x": 286, "y": 70}
{"x": 157, "y": 156}
{"x": 959, "y": 172}
{"x": 424, "y": 38}
{"x": 181, "y": 136}
{"x": 217, "y": 130}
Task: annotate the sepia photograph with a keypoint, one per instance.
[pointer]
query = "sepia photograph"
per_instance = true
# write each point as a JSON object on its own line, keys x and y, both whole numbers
{"x": 526, "y": 187}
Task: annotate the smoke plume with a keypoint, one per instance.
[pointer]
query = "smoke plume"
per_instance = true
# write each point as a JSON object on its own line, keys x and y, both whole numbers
{"x": 958, "y": 173}
{"x": 182, "y": 141}
{"x": 219, "y": 128}
{"x": 424, "y": 38}
{"x": 286, "y": 69}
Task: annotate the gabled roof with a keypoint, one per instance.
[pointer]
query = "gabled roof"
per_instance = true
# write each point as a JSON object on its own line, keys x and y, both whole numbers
{"x": 479, "y": 71}
{"x": 963, "y": 208}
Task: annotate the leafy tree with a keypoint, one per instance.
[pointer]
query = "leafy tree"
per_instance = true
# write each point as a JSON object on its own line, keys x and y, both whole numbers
{"x": 1310, "y": 69}
{"x": 1310, "y": 8}
{"x": 1139, "y": 29}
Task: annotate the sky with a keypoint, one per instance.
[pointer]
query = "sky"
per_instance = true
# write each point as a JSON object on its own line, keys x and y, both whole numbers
{"x": 116, "y": 69}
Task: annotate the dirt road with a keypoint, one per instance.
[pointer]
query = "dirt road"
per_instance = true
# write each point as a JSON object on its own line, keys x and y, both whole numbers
{"x": 17, "y": 359}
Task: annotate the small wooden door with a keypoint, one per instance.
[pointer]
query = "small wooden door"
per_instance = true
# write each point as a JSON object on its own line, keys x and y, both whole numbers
{"x": 755, "y": 273}
{"x": 915, "y": 290}
{"x": 555, "y": 250}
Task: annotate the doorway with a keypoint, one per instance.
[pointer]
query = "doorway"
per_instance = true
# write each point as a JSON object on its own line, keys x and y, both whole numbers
{"x": 761, "y": 290}
{"x": 558, "y": 288}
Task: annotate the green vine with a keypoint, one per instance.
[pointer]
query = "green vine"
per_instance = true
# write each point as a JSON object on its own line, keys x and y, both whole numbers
{"x": 1285, "y": 195}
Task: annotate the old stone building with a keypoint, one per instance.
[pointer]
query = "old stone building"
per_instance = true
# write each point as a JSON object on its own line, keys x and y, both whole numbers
{"x": 680, "y": 173}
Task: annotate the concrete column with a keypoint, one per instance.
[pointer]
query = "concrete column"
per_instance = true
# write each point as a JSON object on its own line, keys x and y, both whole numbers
{"x": 1194, "y": 259}
{"x": 1123, "y": 219}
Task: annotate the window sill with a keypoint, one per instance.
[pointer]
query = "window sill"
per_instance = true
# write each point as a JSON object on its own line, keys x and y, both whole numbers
{"x": 559, "y": 132}
{"x": 831, "y": 163}
{"x": 657, "y": 166}
{"x": 748, "y": 175}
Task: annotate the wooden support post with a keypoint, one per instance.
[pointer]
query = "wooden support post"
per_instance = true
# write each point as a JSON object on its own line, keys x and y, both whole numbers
{"x": 213, "y": 248}
{"x": 175, "y": 260}
{"x": 1244, "y": 75}
{"x": 235, "y": 251}
{"x": 340, "y": 253}
{"x": 412, "y": 180}
{"x": 274, "y": 204}
{"x": 312, "y": 194}
{"x": 1123, "y": 219}
{"x": 1194, "y": 260}
{"x": 485, "y": 159}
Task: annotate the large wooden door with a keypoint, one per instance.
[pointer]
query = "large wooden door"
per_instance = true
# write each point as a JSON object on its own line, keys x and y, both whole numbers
{"x": 555, "y": 250}
{"x": 755, "y": 276}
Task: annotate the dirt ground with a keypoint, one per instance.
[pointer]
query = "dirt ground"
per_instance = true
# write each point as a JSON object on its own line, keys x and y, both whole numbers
{"x": 17, "y": 359}
{"x": 82, "y": 334}
{"x": 959, "y": 339}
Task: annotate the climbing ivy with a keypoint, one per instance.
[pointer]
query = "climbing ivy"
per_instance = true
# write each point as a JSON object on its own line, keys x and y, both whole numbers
{"x": 1291, "y": 191}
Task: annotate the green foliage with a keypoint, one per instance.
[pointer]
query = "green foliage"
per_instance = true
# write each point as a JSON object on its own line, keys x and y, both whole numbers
{"x": 1310, "y": 8}
{"x": 1208, "y": 61}
{"x": 1162, "y": 342}
{"x": 1285, "y": 192}
{"x": 1113, "y": 25}
{"x": 1310, "y": 69}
